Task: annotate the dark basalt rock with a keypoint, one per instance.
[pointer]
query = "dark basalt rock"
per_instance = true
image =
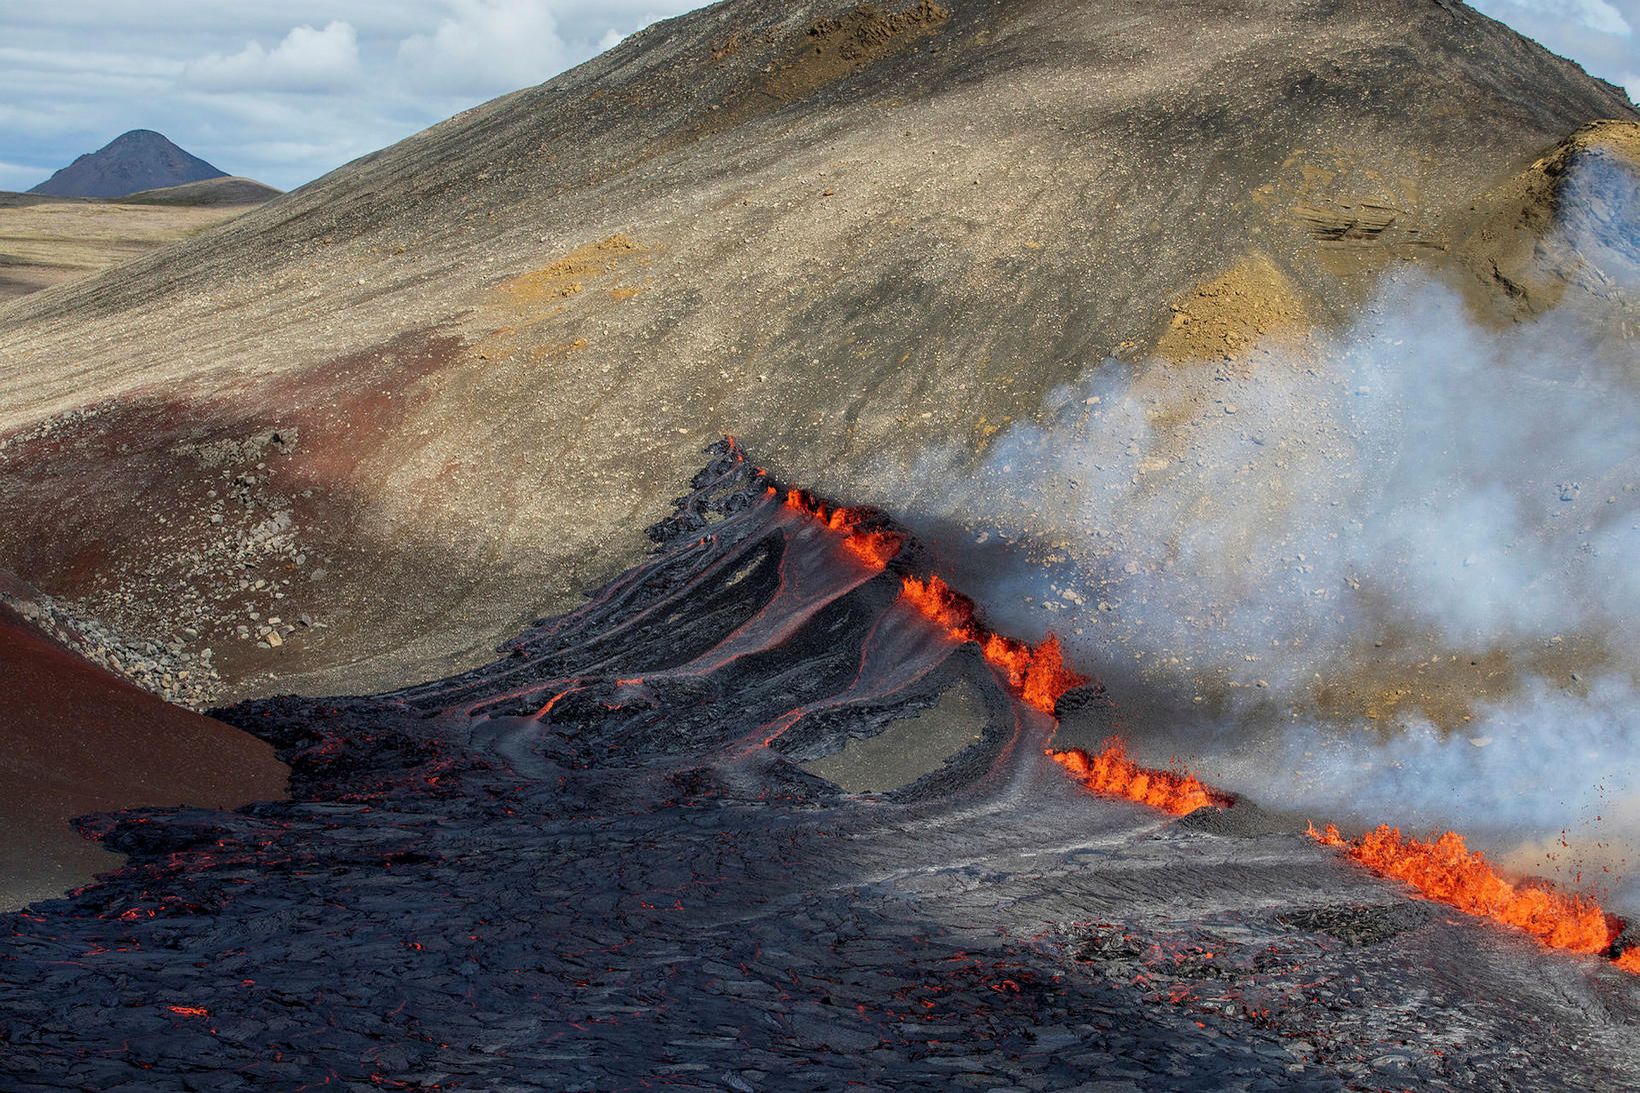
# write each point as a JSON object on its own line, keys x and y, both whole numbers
{"x": 1356, "y": 925}
{"x": 591, "y": 865}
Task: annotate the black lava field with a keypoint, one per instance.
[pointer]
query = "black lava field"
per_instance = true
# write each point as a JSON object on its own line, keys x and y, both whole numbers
{"x": 599, "y": 863}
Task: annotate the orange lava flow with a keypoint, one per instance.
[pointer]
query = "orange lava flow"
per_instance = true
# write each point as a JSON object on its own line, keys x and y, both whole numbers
{"x": 1037, "y": 673}
{"x": 873, "y": 547}
{"x": 1447, "y": 871}
{"x": 1113, "y": 773}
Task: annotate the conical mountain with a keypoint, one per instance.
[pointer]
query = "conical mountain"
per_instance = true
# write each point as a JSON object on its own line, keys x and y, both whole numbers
{"x": 139, "y": 160}
{"x": 446, "y": 386}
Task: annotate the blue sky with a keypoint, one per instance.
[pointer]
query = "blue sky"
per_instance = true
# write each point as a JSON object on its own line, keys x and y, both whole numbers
{"x": 285, "y": 92}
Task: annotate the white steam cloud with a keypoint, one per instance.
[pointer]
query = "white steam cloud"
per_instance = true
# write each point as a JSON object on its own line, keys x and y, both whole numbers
{"x": 1276, "y": 548}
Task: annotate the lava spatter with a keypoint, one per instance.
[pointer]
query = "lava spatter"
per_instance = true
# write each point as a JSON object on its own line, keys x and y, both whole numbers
{"x": 1446, "y": 870}
{"x": 876, "y": 546}
{"x": 1113, "y": 773}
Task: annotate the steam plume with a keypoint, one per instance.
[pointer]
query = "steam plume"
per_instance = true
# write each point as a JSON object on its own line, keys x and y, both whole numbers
{"x": 1392, "y": 573}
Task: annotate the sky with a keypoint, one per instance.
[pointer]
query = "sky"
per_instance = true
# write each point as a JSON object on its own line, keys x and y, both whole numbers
{"x": 289, "y": 91}
{"x": 281, "y": 92}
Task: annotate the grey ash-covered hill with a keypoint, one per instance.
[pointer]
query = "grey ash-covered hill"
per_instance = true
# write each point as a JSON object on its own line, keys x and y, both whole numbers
{"x": 139, "y": 160}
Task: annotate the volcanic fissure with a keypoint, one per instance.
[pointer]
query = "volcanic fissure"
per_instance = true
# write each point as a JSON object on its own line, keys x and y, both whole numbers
{"x": 585, "y": 856}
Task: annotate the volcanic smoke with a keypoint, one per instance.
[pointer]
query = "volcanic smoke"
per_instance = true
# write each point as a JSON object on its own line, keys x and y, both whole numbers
{"x": 1443, "y": 869}
{"x": 1380, "y": 575}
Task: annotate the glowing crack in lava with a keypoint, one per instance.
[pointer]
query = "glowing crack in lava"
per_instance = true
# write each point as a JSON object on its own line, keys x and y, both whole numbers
{"x": 1036, "y": 673}
{"x": 1113, "y": 773}
{"x": 1447, "y": 871}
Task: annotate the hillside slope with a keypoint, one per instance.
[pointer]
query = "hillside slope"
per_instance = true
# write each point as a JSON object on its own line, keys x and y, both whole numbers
{"x": 227, "y": 190}
{"x": 362, "y": 432}
{"x": 81, "y": 740}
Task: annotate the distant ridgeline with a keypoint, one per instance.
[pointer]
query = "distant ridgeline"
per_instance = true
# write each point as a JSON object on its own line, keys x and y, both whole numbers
{"x": 139, "y": 160}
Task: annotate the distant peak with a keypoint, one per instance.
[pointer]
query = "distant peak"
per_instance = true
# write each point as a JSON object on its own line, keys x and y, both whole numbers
{"x": 134, "y": 161}
{"x": 141, "y": 138}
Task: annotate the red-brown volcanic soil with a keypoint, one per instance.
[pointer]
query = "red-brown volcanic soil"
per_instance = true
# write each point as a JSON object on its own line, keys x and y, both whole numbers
{"x": 78, "y": 739}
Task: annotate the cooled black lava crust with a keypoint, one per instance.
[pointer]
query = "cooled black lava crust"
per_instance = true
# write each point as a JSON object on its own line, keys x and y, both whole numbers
{"x": 594, "y": 864}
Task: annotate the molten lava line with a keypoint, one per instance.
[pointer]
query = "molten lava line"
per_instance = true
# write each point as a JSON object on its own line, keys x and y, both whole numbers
{"x": 1443, "y": 869}
{"x": 1446, "y": 870}
{"x": 897, "y": 652}
{"x": 875, "y": 547}
{"x": 1036, "y": 673}
{"x": 1114, "y": 774}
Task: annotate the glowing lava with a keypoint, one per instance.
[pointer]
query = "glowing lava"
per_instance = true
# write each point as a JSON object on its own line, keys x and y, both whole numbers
{"x": 1444, "y": 869}
{"x": 873, "y": 546}
{"x": 1447, "y": 871}
{"x": 945, "y": 607}
{"x": 1037, "y": 673}
{"x": 1114, "y": 774}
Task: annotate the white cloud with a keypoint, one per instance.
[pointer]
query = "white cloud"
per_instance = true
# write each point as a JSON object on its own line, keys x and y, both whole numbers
{"x": 1599, "y": 16}
{"x": 77, "y": 61}
{"x": 306, "y": 60}
{"x": 486, "y": 47}
{"x": 20, "y": 176}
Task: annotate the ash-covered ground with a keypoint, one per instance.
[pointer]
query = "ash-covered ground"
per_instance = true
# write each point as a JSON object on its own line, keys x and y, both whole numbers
{"x": 603, "y": 862}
